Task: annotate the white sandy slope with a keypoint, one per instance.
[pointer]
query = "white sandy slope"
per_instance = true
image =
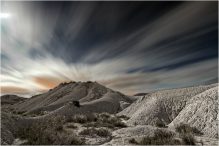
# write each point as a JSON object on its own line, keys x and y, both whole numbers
{"x": 166, "y": 105}
{"x": 201, "y": 111}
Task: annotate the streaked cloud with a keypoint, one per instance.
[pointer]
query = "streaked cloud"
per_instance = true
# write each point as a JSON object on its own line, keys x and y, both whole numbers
{"x": 133, "y": 48}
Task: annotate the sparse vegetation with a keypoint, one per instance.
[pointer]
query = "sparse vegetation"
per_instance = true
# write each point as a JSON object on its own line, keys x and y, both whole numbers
{"x": 80, "y": 119}
{"x": 119, "y": 124}
{"x": 72, "y": 126}
{"x": 112, "y": 120}
{"x": 99, "y": 124}
{"x": 98, "y": 120}
{"x": 133, "y": 141}
{"x": 104, "y": 115}
{"x": 35, "y": 114}
{"x": 19, "y": 112}
{"x": 106, "y": 120}
{"x": 160, "y": 124}
{"x": 188, "y": 139}
{"x": 91, "y": 117}
{"x": 47, "y": 132}
{"x": 160, "y": 137}
{"x": 93, "y": 131}
{"x": 124, "y": 117}
{"x": 59, "y": 128}
{"x": 88, "y": 131}
{"x": 103, "y": 132}
{"x": 185, "y": 128}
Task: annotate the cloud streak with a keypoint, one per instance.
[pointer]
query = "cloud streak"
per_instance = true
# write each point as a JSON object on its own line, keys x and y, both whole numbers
{"x": 121, "y": 49}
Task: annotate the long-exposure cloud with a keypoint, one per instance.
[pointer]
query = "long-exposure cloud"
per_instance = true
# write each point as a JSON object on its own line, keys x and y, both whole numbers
{"x": 127, "y": 46}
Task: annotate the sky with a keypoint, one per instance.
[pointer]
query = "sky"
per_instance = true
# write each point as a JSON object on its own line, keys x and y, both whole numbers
{"x": 130, "y": 47}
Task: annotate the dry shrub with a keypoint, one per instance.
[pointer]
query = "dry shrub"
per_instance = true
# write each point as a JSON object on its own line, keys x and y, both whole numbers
{"x": 88, "y": 131}
{"x": 111, "y": 121}
{"x": 188, "y": 139}
{"x": 99, "y": 124}
{"x": 92, "y": 132}
{"x": 185, "y": 128}
{"x": 103, "y": 132}
{"x": 105, "y": 120}
{"x": 67, "y": 139}
{"x": 160, "y": 137}
{"x": 47, "y": 132}
{"x": 133, "y": 141}
{"x": 124, "y": 117}
{"x": 160, "y": 124}
{"x": 186, "y": 133}
{"x": 91, "y": 117}
{"x": 80, "y": 119}
{"x": 72, "y": 126}
{"x": 104, "y": 115}
{"x": 83, "y": 118}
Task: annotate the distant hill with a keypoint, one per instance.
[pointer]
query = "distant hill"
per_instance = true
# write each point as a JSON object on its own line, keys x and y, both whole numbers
{"x": 11, "y": 99}
{"x": 91, "y": 95}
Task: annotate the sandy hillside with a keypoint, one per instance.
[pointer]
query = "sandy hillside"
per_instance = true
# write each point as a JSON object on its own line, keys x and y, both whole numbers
{"x": 89, "y": 94}
{"x": 111, "y": 102}
{"x": 201, "y": 111}
{"x": 166, "y": 105}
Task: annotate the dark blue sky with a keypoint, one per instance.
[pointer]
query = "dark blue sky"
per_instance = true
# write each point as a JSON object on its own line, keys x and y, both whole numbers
{"x": 112, "y": 20}
{"x": 128, "y": 46}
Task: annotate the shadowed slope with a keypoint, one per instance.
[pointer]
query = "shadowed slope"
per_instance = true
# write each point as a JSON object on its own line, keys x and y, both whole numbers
{"x": 11, "y": 99}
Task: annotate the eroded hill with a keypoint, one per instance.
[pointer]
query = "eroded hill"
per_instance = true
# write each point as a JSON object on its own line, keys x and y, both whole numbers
{"x": 91, "y": 95}
{"x": 104, "y": 116}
